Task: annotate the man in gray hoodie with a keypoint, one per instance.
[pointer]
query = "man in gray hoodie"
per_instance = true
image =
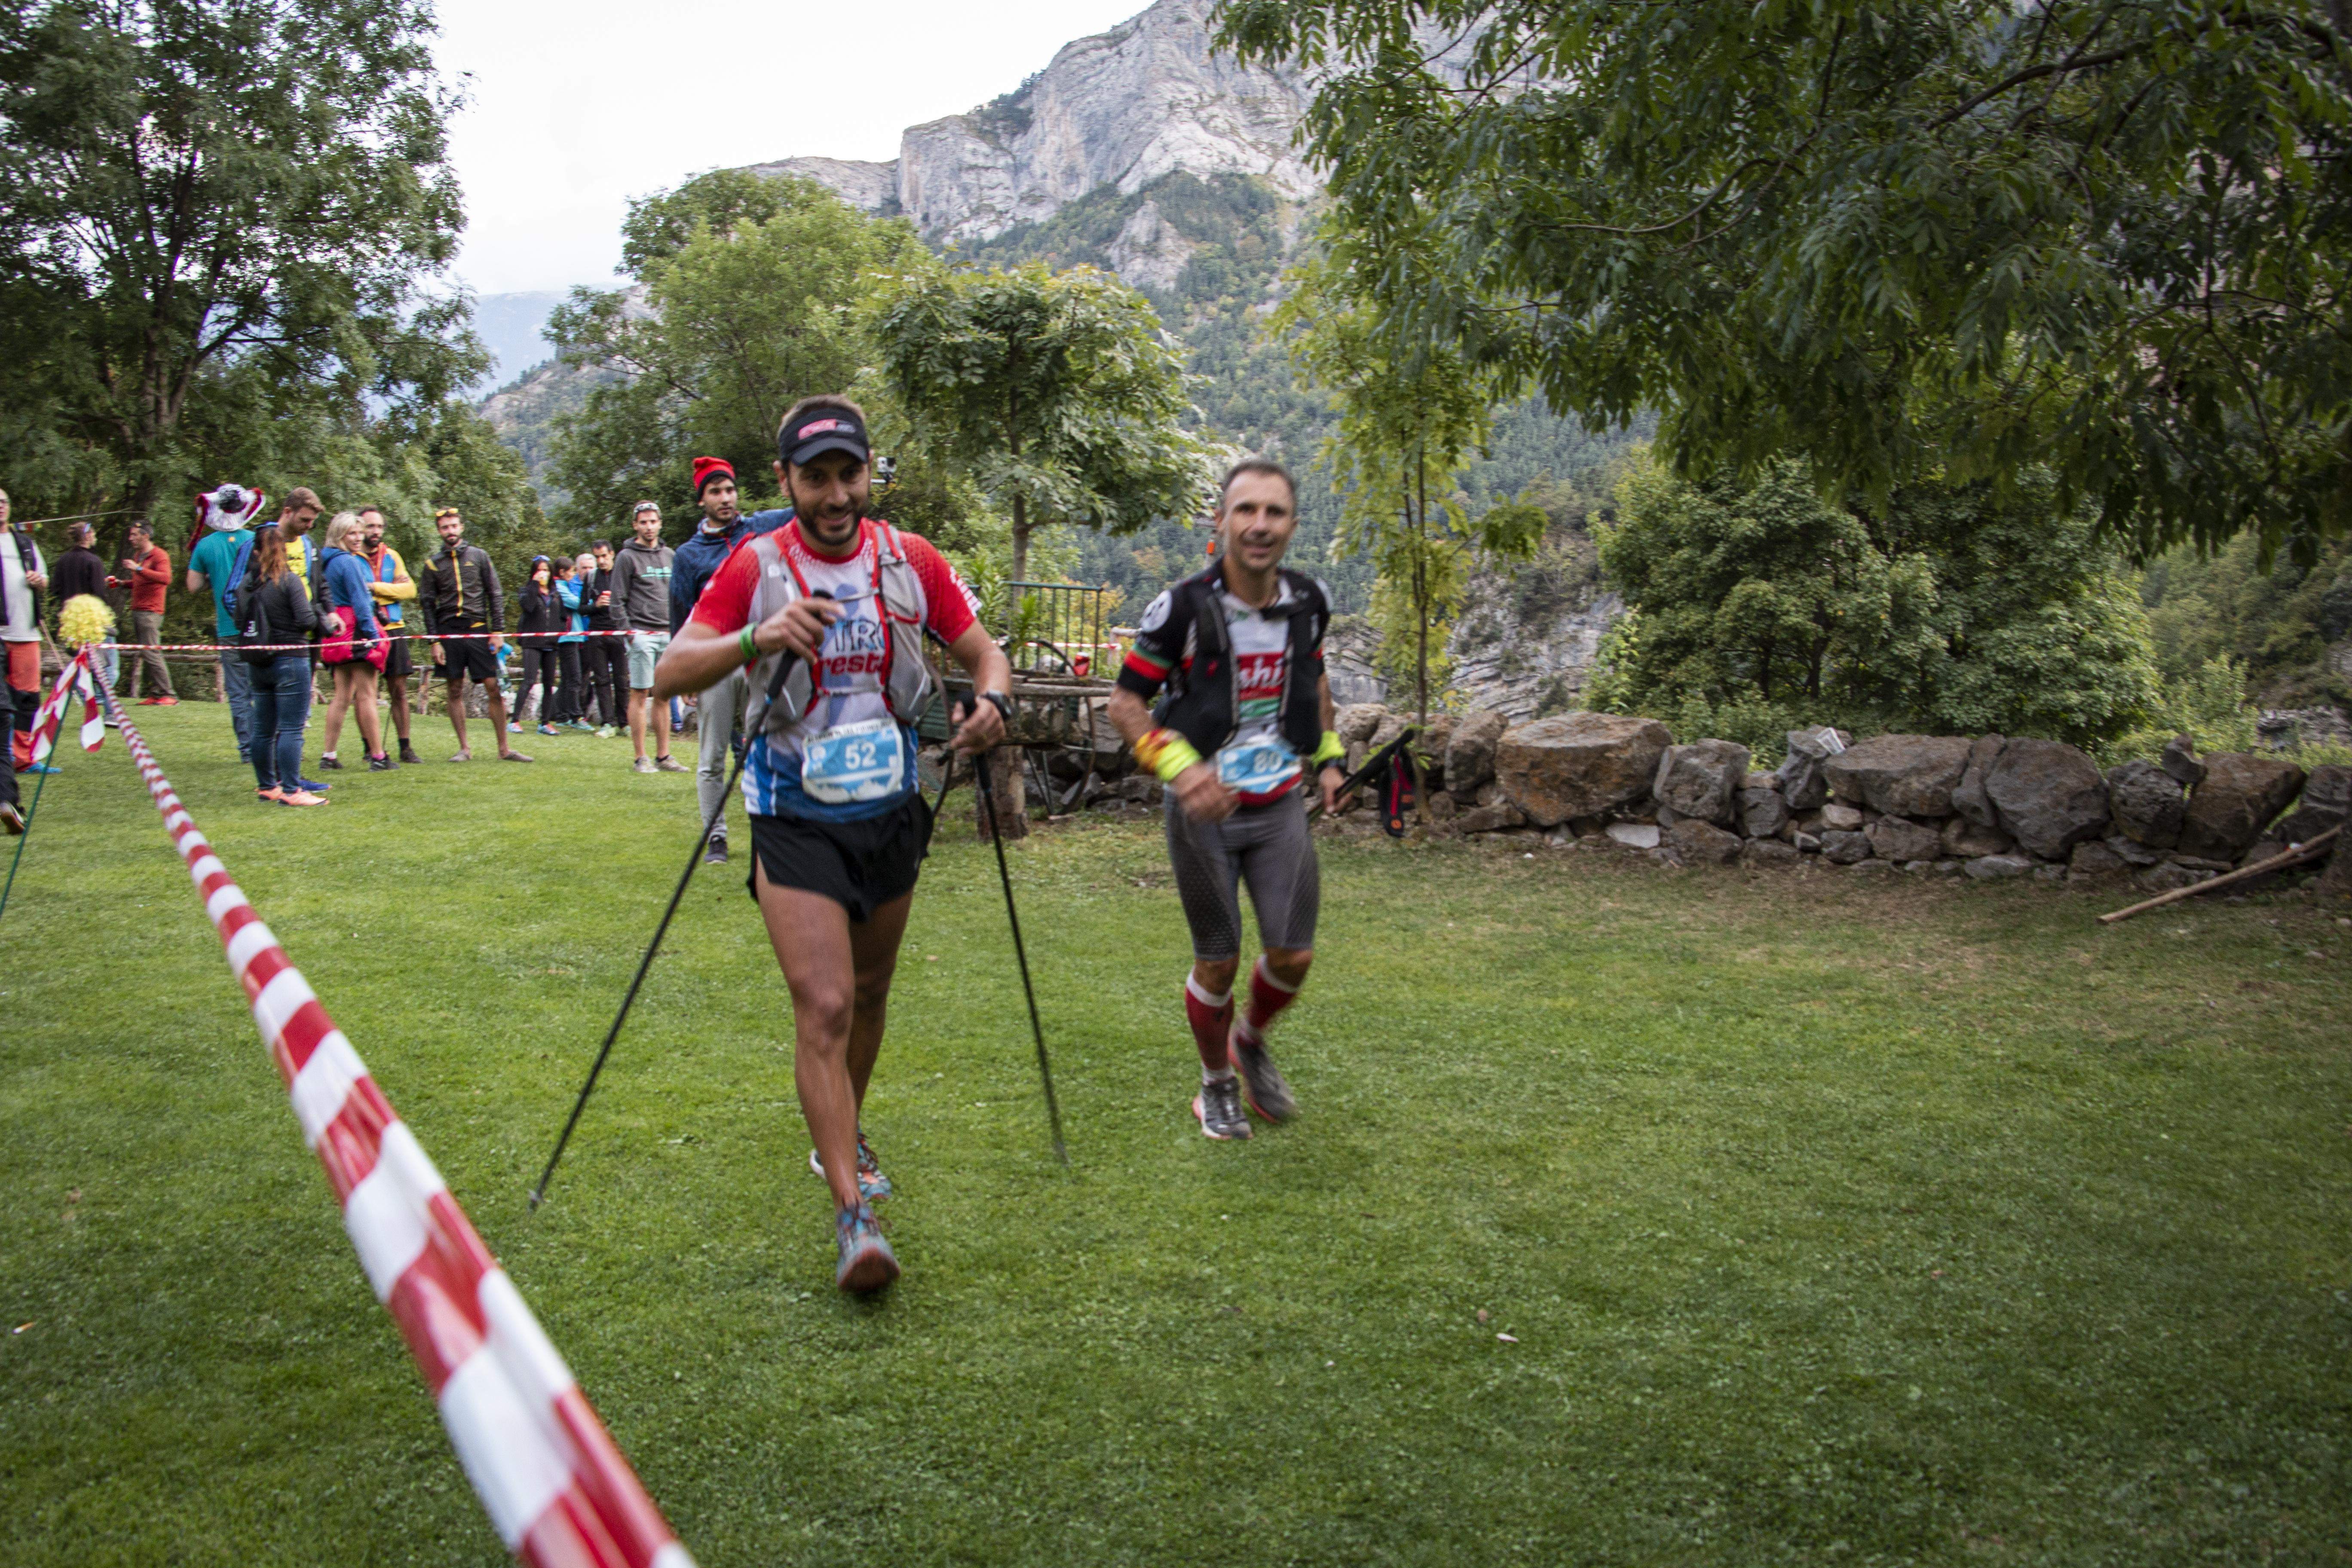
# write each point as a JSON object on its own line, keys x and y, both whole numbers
{"x": 641, "y": 601}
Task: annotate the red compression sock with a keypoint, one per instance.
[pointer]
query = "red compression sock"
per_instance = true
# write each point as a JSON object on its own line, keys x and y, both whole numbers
{"x": 1267, "y": 998}
{"x": 1210, "y": 1016}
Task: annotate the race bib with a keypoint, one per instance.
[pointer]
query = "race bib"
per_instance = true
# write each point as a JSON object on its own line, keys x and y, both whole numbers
{"x": 854, "y": 762}
{"x": 1256, "y": 767}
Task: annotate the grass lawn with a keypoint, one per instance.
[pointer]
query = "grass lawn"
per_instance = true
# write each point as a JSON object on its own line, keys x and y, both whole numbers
{"x": 1827, "y": 1221}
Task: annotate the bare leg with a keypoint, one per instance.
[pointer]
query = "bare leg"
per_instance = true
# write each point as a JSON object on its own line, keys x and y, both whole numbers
{"x": 457, "y": 712}
{"x": 333, "y": 728}
{"x": 498, "y": 718}
{"x": 360, "y": 695}
{"x": 399, "y": 690}
{"x": 1216, "y": 976}
{"x": 638, "y": 700}
{"x": 661, "y": 727}
{"x": 874, "y": 950}
{"x": 811, "y": 935}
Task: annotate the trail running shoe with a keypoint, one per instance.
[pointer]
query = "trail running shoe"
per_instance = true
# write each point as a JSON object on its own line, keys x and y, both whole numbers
{"x": 301, "y": 797}
{"x": 548, "y": 729}
{"x": 643, "y": 764}
{"x": 867, "y": 1264}
{"x": 1219, "y": 1107}
{"x": 669, "y": 765}
{"x": 872, "y": 1184}
{"x": 313, "y": 786}
{"x": 605, "y": 731}
{"x": 716, "y": 855}
{"x": 329, "y": 761}
{"x": 408, "y": 753}
{"x": 273, "y": 795}
{"x": 11, "y": 817}
{"x": 1262, "y": 1082}
{"x": 381, "y": 763}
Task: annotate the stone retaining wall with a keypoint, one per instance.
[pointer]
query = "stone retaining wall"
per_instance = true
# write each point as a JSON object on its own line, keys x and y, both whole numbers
{"x": 1986, "y": 807}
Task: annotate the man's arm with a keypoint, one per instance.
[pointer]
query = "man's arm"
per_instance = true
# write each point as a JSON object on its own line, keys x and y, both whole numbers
{"x": 431, "y": 600}
{"x": 1332, "y": 773}
{"x": 497, "y": 598}
{"x": 625, "y": 567}
{"x": 400, "y": 587}
{"x": 147, "y": 573}
{"x": 982, "y": 728}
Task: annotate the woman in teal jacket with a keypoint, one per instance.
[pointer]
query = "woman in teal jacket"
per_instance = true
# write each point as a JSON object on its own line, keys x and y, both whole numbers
{"x": 342, "y": 578}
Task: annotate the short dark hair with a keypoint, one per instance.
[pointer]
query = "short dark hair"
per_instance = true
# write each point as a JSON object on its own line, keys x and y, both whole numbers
{"x": 144, "y": 526}
{"x": 1267, "y": 466}
{"x": 600, "y": 544}
{"x": 300, "y": 497}
{"x": 371, "y": 507}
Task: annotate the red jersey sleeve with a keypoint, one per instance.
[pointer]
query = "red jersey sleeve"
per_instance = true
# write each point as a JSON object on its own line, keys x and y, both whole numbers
{"x": 953, "y": 607}
{"x": 726, "y": 603}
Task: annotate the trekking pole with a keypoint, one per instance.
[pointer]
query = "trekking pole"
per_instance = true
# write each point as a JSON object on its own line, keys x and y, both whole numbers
{"x": 784, "y": 663}
{"x": 30, "y": 812}
{"x": 1045, "y": 1068}
{"x": 1356, "y": 780}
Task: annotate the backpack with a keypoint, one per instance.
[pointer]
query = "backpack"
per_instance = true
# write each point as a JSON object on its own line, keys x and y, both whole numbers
{"x": 248, "y": 611}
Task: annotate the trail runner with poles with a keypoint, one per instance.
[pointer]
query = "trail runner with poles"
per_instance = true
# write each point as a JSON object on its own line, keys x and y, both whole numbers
{"x": 839, "y": 829}
{"x": 1238, "y": 649}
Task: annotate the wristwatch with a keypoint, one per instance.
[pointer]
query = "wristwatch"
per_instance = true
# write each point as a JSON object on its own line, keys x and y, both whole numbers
{"x": 1004, "y": 704}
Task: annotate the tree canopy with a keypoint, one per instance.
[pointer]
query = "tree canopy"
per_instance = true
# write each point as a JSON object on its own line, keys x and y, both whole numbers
{"x": 746, "y": 300}
{"x": 1057, "y": 393}
{"x": 1956, "y": 237}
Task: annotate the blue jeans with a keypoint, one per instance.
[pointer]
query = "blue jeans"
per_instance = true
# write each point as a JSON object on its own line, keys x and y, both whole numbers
{"x": 281, "y": 705}
{"x": 236, "y": 685}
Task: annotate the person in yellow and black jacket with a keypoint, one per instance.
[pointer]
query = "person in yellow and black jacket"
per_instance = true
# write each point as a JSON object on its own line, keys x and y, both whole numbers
{"x": 465, "y": 615}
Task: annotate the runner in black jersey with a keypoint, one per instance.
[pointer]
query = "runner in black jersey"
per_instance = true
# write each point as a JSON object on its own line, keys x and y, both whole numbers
{"x": 1247, "y": 713}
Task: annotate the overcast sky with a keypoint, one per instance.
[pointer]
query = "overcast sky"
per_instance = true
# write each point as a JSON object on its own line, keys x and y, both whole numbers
{"x": 578, "y": 106}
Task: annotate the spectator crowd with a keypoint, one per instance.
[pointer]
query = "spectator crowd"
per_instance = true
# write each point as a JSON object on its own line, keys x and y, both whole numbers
{"x": 299, "y": 605}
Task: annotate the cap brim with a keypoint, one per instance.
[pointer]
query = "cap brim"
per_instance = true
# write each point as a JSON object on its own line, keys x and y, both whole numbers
{"x": 807, "y": 451}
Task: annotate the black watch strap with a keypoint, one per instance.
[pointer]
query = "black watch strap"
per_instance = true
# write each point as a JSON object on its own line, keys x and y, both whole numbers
{"x": 1004, "y": 703}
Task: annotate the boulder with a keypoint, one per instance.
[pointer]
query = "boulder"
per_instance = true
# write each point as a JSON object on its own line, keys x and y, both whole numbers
{"x": 2242, "y": 792}
{"x": 1490, "y": 818}
{"x": 1844, "y": 848}
{"x": 1702, "y": 780}
{"x": 1358, "y": 721}
{"x": 1633, "y": 835}
{"x": 1762, "y": 813}
{"x": 1769, "y": 852}
{"x": 1578, "y": 765}
{"x": 1804, "y": 778}
{"x": 1969, "y": 797}
{"x": 2199, "y": 863}
{"x": 2164, "y": 877}
{"x": 1470, "y": 750}
{"x": 1700, "y": 843}
{"x": 1993, "y": 867}
{"x": 1899, "y": 838}
{"x": 1967, "y": 841}
{"x": 2327, "y": 802}
{"x": 1443, "y": 807}
{"x": 2146, "y": 804}
{"x": 1806, "y": 843}
{"x": 1391, "y": 726}
{"x": 2180, "y": 760}
{"x": 2095, "y": 860}
{"x": 1819, "y": 744}
{"x": 2131, "y": 851}
{"x": 1488, "y": 794}
{"x": 1903, "y": 775}
{"x": 1840, "y": 817}
{"x": 1763, "y": 780}
{"x": 2047, "y": 795}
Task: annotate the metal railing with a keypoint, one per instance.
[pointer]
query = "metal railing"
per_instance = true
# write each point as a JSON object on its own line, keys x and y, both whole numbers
{"x": 1058, "y": 629}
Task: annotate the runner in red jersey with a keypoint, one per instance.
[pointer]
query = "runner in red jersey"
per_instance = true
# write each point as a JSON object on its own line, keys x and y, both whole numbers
{"x": 838, "y": 827}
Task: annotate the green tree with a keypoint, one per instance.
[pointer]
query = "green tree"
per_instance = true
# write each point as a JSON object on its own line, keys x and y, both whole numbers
{"x": 745, "y": 302}
{"x": 1953, "y": 609}
{"x": 1406, "y": 428}
{"x": 1948, "y": 237}
{"x": 230, "y": 203}
{"x": 1057, "y": 392}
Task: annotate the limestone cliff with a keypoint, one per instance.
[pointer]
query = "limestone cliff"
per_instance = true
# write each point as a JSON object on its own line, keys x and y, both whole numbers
{"x": 1120, "y": 109}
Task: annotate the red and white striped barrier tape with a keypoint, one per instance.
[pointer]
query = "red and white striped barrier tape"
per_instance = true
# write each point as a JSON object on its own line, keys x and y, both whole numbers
{"x": 556, "y": 1488}
{"x": 544, "y": 640}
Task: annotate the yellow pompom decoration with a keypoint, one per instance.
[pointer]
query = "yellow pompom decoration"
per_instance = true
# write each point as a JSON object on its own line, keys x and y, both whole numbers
{"x": 84, "y": 619}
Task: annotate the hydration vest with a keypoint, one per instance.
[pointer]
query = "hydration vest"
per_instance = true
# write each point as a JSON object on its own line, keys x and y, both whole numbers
{"x": 1201, "y": 703}
{"x": 907, "y": 684}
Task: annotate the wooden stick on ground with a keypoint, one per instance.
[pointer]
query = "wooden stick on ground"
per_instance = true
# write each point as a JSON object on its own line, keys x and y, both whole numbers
{"x": 2293, "y": 854}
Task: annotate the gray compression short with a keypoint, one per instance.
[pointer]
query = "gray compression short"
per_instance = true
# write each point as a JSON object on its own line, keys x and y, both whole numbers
{"x": 1266, "y": 847}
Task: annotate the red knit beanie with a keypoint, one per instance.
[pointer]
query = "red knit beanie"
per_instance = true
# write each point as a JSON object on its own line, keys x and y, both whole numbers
{"x": 708, "y": 468}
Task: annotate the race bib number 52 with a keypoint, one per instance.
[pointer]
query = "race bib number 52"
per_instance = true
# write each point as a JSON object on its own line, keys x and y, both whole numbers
{"x": 854, "y": 763}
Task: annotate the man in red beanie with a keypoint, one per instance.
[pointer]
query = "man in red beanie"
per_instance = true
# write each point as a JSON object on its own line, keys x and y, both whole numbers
{"x": 721, "y": 712}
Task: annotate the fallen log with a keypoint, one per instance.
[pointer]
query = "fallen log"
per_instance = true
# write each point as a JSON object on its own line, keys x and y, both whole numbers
{"x": 2293, "y": 855}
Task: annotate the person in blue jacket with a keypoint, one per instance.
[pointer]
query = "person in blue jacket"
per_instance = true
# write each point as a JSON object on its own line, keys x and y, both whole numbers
{"x": 568, "y": 705}
{"x": 724, "y": 526}
{"x": 343, "y": 580}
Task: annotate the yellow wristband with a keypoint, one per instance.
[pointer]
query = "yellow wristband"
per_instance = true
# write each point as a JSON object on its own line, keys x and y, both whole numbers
{"x": 1167, "y": 753}
{"x": 1330, "y": 751}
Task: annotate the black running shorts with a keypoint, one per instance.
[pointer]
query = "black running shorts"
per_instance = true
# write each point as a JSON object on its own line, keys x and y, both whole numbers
{"x": 1266, "y": 847}
{"x": 469, "y": 657}
{"x": 398, "y": 665}
{"x": 861, "y": 866}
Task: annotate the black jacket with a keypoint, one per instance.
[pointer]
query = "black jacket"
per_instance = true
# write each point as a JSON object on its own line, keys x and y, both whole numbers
{"x": 605, "y": 618}
{"x": 79, "y": 571}
{"x": 281, "y": 612}
{"x": 542, "y": 613}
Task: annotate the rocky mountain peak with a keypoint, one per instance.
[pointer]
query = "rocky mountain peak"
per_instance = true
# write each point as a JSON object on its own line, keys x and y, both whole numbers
{"x": 1120, "y": 109}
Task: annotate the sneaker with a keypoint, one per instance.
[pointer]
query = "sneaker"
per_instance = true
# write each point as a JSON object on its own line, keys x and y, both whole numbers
{"x": 330, "y": 761}
{"x": 513, "y": 727}
{"x": 1219, "y": 1107}
{"x": 512, "y": 755}
{"x": 1262, "y": 1081}
{"x": 408, "y": 753}
{"x": 548, "y": 729}
{"x": 604, "y": 731}
{"x": 150, "y": 703}
{"x": 164, "y": 701}
{"x": 301, "y": 797}
{"x": 643, "y": 766}
{"x": 670, "y": 765}
{"x": 381, "y": 763}
{"x": 39, "y": 768}
{"x": 716, "y": 855}
{"x": 11, "y": 819}
{"x": 313, "y": 786}
{"x": 872, "y": 1184}
{"x": 867, "y": 1264}
{"x": 582, "y": 725}
{"x": 465, "y": 756}
{"x": 273, "y": 795}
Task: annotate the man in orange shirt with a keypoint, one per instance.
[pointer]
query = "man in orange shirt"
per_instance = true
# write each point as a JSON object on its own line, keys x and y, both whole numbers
{"x": 146, "y": 570}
